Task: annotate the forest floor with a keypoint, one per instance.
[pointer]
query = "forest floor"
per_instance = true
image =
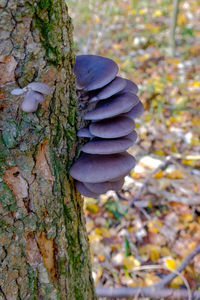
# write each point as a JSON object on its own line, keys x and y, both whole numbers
{"x": 163, "y": 225}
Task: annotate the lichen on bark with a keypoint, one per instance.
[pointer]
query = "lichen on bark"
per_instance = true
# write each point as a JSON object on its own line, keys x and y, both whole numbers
{"x": 44, "y": 249}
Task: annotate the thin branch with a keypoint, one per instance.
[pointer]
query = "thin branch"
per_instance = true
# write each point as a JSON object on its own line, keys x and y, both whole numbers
{"x": 150, "y": 292}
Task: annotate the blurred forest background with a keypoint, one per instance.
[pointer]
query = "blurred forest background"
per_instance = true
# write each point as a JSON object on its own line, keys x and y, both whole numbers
{"x": 163, "y": 225}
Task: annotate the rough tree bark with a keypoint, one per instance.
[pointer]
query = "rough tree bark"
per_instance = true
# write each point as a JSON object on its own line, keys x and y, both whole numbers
{"x": 44, "y": 251}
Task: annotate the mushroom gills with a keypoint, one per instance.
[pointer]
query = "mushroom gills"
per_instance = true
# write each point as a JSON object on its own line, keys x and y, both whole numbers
{"x": 83, "y": 190}
{"x": 84, "y": 132}
{"x": 103, "y": 187}
{"x": 109, "y": 90}
{"x": 113, "y": 106}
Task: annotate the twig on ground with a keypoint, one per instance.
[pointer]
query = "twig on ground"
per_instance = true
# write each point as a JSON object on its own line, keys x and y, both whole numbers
{"x": 157, "y": 291}
{"x": 180, "y": 199}
{"x": 150, "y": 292}
{"x": 185, "y": 262}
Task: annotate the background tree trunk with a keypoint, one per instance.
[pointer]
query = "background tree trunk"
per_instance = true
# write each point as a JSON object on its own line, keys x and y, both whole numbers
{"x": 44, "y": 251}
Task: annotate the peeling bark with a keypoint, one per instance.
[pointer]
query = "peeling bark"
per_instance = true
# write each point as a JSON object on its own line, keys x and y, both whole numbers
{"x": 44, "y": 252}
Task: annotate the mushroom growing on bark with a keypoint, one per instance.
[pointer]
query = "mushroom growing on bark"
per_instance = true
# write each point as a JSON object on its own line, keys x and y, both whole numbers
{"x": 111, "y": 106}
{"x": 33, "y": 95}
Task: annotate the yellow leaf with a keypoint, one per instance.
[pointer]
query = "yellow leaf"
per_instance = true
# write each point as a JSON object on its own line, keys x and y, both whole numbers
{"x": 158, "y": 175}
{"x": 102, "y": 231}
{"x": 89, "y": 225}
{"x": 131, "y": 12}
{"x": 94, "y": 238}
{"x": 105, "y": 232}
{"x": 176, "y": 282}
{"x": 142, "y": 11}
{"x": 196, "y": 121}
{"x": 157, "y": 13}
{"x": 150, "y": 205}
{"x": 92, "y": 207}
{"x": 173, "y": 148}
{"x": 165, "y": 251}
{"x": 181, "y": 19}
{"x": 115, "y": 247}
{"x": 196, "y": 83}
{"x": 101, "y": 257}
{"x": 154, "y": 254}
{"x": 97, "y": 19}
{"x": 97, "y": 230}
{"x": 154, "y": 226}
{"x": 176, "y": 174}
{"x": 170, "y": 263}
{"x": 186, "y": 218}
{"x": 130, "y": 262}
{"x": 116, "y": 46}
{"x": 160, "y": 152}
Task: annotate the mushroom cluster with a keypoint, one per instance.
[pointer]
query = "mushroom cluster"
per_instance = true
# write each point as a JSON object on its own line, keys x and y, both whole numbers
{"x": 112, "y": 105}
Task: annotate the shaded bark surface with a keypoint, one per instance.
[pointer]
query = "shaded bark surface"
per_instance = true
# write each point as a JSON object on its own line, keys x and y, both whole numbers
{"x": 44, "y": 251}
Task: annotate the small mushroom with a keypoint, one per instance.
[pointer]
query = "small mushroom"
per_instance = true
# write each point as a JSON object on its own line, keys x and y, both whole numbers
{"x": 103, "y": 187}
{"x": 100, "y": 168}
{"x": 109, "y": 90}
{"x": 30, "y": 102}
{"x": 112, "y": 128}
{"x": 93, "y": 72}
{"x": 135, "y": 112}
{"x": 109, "y": 146}
{"x": 84, "y": 132}
{"x": 116, "y": 105}
{"x": 40, "y": 87}
{"x": 83, "y": 190}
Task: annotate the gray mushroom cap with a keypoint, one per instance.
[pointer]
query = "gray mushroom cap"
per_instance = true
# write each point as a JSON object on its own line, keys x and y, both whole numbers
{"x": 103, "y": 187}
{"x": 84, "y": 132}
{"x": 40, "y": 87}
{"x": 109, "y": 146}
{"x": 135, "y": 112}
{"x": 30, "y": 102}
{"x": 112, "y": 128}
{"x": 93, "y": 72}
{"x": 117, "y": 104}
{"x": 83, "y": 190}
{"x": 109, "y": 90}
{"x": 130, "y": 87}
{"x": 100, "y": 168}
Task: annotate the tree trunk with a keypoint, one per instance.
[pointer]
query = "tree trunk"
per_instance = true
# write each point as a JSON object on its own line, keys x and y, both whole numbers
{"x": 44, "y": 252}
